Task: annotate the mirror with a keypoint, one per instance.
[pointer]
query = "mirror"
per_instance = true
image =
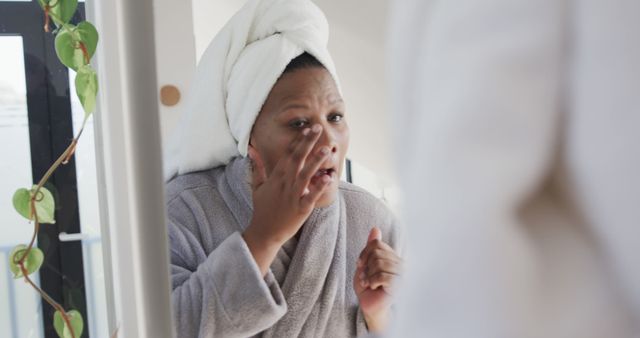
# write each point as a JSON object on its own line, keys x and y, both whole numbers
{"x": 270, "y": 235}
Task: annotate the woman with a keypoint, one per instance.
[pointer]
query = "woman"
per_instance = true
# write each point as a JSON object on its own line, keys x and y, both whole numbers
{"x": 265, "y": 239}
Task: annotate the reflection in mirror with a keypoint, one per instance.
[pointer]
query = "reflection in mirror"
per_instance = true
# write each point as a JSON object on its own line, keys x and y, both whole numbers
{"x": 266, "y": 239}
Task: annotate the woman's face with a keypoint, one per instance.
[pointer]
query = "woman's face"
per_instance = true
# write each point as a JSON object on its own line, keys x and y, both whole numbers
{"x": 299, "y": 100}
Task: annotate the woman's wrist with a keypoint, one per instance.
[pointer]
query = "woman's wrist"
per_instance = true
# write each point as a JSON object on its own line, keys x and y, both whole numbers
{"x": 263, "y": 248}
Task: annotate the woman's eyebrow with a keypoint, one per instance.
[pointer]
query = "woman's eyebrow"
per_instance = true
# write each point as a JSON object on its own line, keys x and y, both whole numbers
{"x": 333, "y": 98}
{"x": 295, "y": 106}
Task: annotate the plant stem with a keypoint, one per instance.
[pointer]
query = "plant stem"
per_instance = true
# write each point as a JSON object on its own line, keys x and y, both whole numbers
{"x": 63, "y": 159}
{"x": 84, "y": 52}
{"x": 51, "y": 169}
{"x": 59, "y": 161}
{"x": 36, "y": 228}
{"x": 65, "y": 156}
{"x": 47, "y": 8}
{"x": 55, "y": 18}
{"x": 44, "y": 179}
{"x": 25, "y": 273}
{"x": 48, "y": 299}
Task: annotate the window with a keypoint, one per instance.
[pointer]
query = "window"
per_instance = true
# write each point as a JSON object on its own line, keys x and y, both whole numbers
{"x": 38, "y": 117}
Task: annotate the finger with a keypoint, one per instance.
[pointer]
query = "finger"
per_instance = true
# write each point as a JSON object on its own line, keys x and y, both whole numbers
{"x": 374, "y": 240}
{"x": 377, "y": 254}
{"x": 316, "y": 189}
{"x": 384, "y": 261}
{"x": 364, "y": 254}
{"x": 382, "y": 250}
{"x": 380, "y": 264}
{"x": 372, "y": 246}
{"x": 302, "y": 149}
{"x": 258, "y": 174}
{"x": 281, "y": 167}
{"x": 296, "y": 141}
{"x": 359, "y": 279}
{"x": 381, "y": 279}
{"x": 311, "y": 166}
{"x": 375, "y": 233}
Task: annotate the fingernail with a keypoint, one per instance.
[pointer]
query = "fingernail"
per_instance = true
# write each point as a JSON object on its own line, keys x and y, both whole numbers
{"x": 306, "y": 131}
{"x": 363, "y": 282}
{"x": 362, "y": 276}
{"x": 316, "y": 128}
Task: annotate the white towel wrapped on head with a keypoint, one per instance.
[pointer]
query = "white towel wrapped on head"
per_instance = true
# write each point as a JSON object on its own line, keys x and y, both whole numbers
{"x": 234, "y": 78}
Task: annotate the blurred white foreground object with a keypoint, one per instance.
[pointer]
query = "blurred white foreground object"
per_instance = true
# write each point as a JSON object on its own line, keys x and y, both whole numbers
{"x": 518, "y": 138}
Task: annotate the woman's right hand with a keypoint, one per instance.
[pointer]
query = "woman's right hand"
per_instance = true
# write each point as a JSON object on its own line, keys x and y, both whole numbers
{"x": 284, "y": 199}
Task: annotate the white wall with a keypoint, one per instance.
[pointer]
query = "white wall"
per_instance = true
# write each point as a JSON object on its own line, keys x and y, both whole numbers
{"x": 175, "y": 55}
{"x": 357, "y": 46}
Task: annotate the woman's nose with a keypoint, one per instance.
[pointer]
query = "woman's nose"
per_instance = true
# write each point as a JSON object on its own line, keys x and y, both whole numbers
{"x": 328, "y": 139}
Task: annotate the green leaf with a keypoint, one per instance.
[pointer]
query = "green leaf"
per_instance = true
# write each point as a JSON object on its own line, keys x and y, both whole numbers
{"x": 61, "y": 326}
{"x": 89, "y": 36}
{"x": 87, "y": 88}
{"x": 63, "y": 10}
{"x": 32, "y": 263}
{"x": 66, "y": 48}
{"x": 69, "y": 43}
{"x": 56, "y": 196}
{"x": 21, "y": 200}
{"x": 45, "y": 204}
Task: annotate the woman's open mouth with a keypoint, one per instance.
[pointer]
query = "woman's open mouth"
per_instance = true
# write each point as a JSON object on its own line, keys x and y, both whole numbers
{"x": 328, "y": 172}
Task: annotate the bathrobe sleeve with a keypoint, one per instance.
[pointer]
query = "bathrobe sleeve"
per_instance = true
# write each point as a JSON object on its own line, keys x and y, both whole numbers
{"x": 220, "y": 293}
{"x": 364, "y": 211}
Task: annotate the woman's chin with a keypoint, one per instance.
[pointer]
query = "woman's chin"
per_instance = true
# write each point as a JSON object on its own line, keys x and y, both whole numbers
{"x": 328, "y": 196}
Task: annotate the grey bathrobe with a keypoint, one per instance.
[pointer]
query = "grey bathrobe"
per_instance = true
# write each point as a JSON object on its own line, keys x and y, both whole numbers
{"x": 218, "y": 290}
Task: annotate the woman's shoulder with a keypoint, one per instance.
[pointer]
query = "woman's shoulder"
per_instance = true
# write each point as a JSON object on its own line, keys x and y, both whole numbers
{"x": 188, "y": 183}
{"x": 353, "y": 191}
{"x": 361, "y": 199}
{"x": 195, "y": 208}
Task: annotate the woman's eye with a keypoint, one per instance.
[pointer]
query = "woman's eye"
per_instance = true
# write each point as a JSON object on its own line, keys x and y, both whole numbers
{"x": 298, "y": 124}
{"x": 335, "y": 117}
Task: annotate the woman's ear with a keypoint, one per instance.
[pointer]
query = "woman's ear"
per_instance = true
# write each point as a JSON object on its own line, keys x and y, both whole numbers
{"x": 251, "y": 152}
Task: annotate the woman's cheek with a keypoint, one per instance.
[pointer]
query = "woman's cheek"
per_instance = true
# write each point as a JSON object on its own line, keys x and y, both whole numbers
{"x": 344, "y": 141}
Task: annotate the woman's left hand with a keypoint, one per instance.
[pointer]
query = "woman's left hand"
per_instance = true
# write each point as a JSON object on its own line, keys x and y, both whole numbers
{"x": 377, "y": 269}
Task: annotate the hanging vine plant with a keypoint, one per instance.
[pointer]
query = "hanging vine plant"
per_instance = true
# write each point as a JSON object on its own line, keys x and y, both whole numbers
{"x": 75, "y": 46}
